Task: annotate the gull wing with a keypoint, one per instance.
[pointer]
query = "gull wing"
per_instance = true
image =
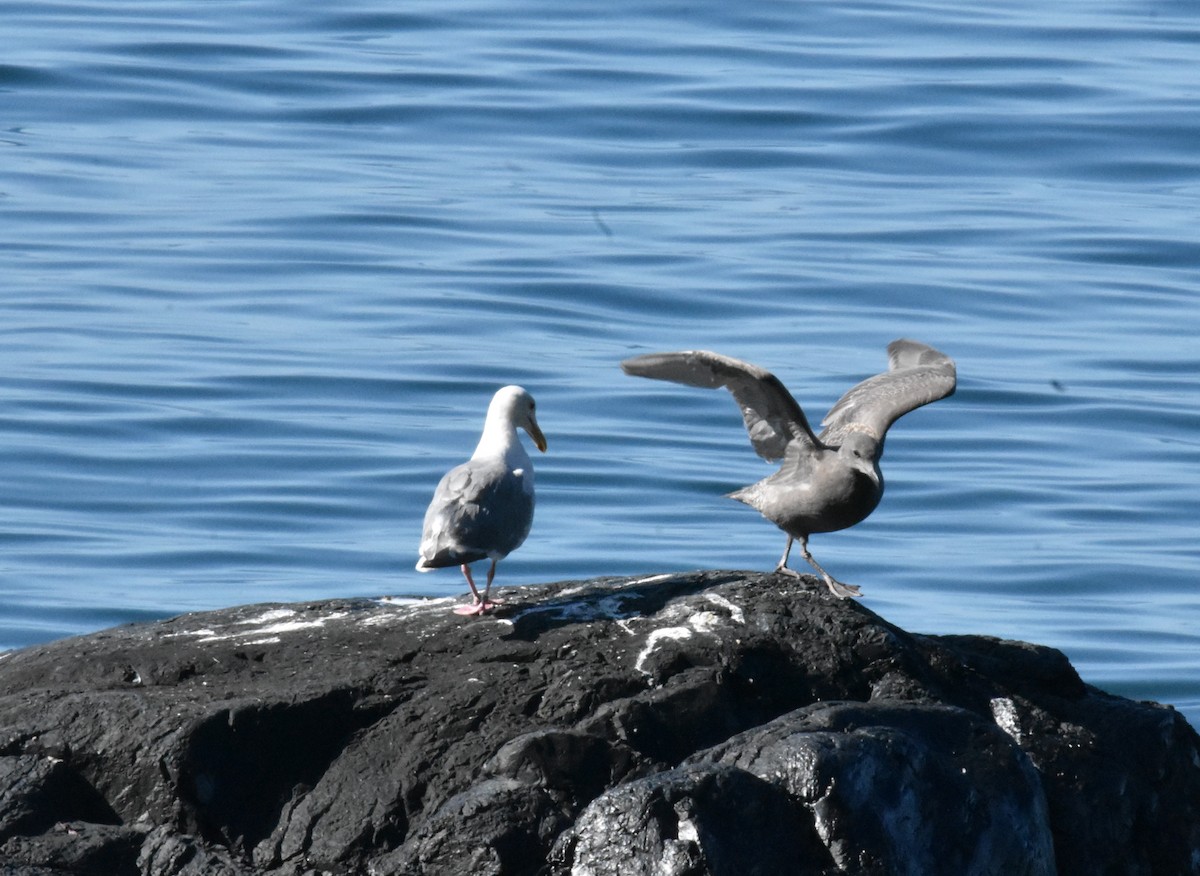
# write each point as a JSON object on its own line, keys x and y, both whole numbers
{"x": 479, "y": 509}
{"x": 917, "y": 375}
{"x": 773, "y": 418}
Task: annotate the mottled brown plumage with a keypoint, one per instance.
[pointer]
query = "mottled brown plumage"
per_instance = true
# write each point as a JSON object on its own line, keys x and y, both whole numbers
{"x": 826, "y": 482}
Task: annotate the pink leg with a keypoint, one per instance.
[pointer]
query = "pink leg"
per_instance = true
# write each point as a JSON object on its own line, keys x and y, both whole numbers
{"x": 481, "y": 604}
{"x": 488, "y": 589}
{"x": 476, "y": 607}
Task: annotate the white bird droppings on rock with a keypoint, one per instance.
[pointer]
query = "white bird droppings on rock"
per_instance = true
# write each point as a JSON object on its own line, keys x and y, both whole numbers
{"x": 273, "y": 614}
{"x": 672, "y": 633}
{"x": 735, "y": 612}
{"x": 1004, "y": 713}
{"x": 694, "y": 622}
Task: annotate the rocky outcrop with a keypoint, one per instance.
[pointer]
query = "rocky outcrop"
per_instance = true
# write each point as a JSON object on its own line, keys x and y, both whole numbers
{"x": 701, "y": 723}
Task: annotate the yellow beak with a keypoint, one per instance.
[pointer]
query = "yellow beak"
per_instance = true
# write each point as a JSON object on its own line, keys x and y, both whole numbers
{"x": 535, "y": 432}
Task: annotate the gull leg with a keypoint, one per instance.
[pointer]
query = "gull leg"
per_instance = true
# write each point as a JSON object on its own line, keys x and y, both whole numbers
{"x": 486, "y": 604}
{"x": 836, "y": 587}
{"x": 782, "y": 567}
{"x": 475, "y": 607}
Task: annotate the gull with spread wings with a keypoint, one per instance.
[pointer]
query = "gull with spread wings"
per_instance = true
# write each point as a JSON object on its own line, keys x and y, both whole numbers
{"x": 827, "y": 482}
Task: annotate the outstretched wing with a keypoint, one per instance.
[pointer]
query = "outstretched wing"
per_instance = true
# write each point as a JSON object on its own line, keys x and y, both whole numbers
{"x": 772, "y": 417}
{"x": 917, "y": 375}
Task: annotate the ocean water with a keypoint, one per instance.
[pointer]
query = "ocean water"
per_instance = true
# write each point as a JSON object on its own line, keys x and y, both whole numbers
{"x": 264, "y": 263}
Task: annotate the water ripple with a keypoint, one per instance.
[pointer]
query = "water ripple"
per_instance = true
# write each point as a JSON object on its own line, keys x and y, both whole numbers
{"x": 263, "y": 270}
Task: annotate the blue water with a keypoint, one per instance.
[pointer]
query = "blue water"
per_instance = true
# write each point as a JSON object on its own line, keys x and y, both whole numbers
{"x": 263, "y": 265}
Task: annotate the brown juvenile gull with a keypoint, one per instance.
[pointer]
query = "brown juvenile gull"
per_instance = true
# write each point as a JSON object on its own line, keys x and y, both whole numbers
{"x": 828, "y": 482}
{"x": 483, "y": 508}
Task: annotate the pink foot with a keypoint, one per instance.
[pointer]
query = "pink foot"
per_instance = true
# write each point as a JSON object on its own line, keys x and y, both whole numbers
{"x": 477, "y": 607}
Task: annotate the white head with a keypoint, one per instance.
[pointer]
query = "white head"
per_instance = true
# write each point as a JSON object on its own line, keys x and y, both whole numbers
{"x": 514, "y": 406}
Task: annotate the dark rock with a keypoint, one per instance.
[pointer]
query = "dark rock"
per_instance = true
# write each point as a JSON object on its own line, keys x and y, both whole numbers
{"x": 496, "y": 826}
{"x": 166, "y": 852}
{"x": 694, "y": 821}
{"x": 77, "y": 847}
{"x": 37, "y": 791}
{"x": 702, "y": 723}
{"x": 935, "y": 787}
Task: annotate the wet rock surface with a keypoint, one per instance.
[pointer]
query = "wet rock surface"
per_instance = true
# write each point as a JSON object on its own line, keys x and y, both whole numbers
{"x": 698, "y": 723}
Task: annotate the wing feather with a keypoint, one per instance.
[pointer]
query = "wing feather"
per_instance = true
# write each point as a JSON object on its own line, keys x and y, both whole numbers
{"x": 917, "y": 375}
{"x": 478, "y": 510}
{"x": 773, "y": 418}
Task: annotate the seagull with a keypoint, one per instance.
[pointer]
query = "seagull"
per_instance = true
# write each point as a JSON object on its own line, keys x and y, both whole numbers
{"x": 827, "y": 482}
{"x": 483, "y": 508}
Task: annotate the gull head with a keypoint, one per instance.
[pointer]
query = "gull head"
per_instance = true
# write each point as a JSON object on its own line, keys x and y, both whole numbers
{"x": 514, "y": 405}
{"x": 860, "y": 451}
